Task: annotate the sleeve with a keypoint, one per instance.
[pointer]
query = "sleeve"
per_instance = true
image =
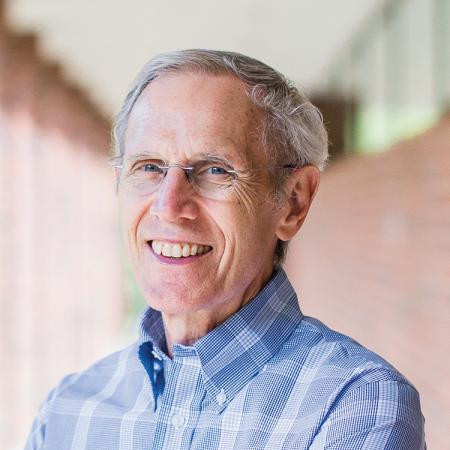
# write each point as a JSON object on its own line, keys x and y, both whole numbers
{"x": 36, "y": 438}
{"x": 383, "y": 415}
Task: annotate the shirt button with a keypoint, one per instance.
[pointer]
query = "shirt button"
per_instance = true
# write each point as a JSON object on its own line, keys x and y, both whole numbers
{"x": 221, "y": 397}
{"x": 178, "y": 420}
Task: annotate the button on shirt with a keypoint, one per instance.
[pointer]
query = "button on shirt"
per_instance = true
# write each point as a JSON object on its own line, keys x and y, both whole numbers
{"x": 267, "y": 378}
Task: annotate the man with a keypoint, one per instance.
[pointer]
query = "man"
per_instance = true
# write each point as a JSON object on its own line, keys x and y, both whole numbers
{"x": 219, "y": 160}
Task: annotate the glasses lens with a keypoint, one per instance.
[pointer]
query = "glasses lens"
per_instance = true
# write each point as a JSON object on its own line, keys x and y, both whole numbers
{"x": 209, "y": 179}
{"x": 212, "y": 180}
{"x": 142, "y": 178}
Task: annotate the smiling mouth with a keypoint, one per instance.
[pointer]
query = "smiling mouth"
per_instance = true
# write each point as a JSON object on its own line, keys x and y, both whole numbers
{"x": 178, "y": 249}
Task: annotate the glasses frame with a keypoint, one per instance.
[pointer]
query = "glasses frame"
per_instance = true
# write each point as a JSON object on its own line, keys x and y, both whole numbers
{"x": 117, "y": 163}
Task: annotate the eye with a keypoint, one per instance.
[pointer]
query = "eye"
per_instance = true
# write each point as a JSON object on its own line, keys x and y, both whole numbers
{"x": 150, "y": 168}
{"x": 147, "y": 167}
{"x": 217, "y": 170}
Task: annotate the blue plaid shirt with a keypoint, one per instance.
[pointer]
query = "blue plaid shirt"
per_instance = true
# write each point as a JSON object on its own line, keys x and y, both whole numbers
{"x": 267, "y": 378}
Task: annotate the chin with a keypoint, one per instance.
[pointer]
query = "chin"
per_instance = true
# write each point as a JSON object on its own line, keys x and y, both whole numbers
{"x": 173, "y": 299}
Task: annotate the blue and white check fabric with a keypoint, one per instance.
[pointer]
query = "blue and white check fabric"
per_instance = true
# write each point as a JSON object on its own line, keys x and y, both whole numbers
{"x": 267, "y": 378}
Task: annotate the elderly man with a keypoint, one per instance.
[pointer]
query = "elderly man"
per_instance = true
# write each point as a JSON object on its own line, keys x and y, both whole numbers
{"x": 219, "y": 161}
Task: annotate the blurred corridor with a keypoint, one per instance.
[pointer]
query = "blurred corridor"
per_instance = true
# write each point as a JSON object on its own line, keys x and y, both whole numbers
{"x": 60, "y": 274}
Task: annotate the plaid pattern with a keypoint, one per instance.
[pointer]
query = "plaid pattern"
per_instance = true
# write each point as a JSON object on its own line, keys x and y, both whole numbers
{"x": 268, "y": 378}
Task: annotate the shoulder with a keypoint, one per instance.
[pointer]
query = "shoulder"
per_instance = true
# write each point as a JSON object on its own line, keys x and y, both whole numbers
{"x": 74, "y": 389}
{"x": 328, "y": 365}
{"x": 77, "y": 394}
{"x": 110, "y": 369}
{"x": 322, "y": 348}
{"x": 361, "y": 394}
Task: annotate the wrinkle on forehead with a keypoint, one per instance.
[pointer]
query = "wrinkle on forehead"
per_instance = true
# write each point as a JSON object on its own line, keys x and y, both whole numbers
{"x": 193, "y": 113}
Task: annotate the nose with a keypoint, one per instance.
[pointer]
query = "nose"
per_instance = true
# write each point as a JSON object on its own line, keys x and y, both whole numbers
{"x": 174, "y": 199}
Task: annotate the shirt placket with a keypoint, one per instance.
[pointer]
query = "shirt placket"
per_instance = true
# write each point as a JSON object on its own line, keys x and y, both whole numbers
{"x": 178, "y": 411}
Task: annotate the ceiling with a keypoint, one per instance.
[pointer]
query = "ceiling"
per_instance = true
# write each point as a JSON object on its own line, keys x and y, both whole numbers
{"x": 103, "y": 43}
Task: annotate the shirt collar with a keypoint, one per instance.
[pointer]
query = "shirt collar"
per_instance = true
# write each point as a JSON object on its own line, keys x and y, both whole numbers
{"x": 235, "y": 351}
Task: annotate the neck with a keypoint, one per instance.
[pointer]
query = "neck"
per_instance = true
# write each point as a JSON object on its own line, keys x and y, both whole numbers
{"x": 186, "y": 329}
{"x": 189, "y": 328}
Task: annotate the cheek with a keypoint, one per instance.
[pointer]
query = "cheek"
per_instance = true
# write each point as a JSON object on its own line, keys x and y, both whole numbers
{"x": 241, "y": 232}
{"x": 249, "y": 196}
{"x": 255, "y": 231}
{"x": 131, "y": 214}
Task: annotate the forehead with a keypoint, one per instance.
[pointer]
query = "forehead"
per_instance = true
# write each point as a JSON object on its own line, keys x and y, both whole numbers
{"x": 181, "y": 115}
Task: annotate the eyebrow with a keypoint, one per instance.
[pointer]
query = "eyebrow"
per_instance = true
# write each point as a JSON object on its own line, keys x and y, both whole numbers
{"x": 139, "y": 157}
{"x": 216, "y": 156}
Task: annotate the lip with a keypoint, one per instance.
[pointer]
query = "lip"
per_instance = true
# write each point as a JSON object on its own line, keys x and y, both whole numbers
{"x": 175, "y": 261}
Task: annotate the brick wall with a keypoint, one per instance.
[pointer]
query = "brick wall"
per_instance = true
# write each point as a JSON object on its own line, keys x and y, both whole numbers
{"x": 60, "y": 293}
{"x": 373, "y": 261}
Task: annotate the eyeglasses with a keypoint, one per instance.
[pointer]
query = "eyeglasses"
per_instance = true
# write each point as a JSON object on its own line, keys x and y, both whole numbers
{"x": 211, "y": 179}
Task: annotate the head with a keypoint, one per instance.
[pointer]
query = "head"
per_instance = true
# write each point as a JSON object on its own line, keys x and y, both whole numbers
{"x": 194, "y": 102}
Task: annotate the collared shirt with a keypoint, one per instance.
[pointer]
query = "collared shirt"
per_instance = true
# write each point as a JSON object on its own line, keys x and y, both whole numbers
{"x": 267, "y": 378}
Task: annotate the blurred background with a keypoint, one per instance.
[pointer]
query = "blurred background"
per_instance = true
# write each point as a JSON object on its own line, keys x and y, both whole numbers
{"x": 373, "y": 258}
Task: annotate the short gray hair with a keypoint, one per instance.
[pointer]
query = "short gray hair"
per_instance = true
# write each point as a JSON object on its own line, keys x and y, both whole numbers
{"x": 293, "y": 131}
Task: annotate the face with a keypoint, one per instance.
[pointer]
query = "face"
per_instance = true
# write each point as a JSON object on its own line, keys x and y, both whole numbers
{"x": 181, "y": 119}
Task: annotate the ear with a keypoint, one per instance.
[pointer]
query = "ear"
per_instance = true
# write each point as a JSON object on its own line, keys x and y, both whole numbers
{"x": 301, "y": 188}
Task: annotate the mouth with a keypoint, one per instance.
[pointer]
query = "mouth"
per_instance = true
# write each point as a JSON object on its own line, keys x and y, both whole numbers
{"x": 178, "y": 250}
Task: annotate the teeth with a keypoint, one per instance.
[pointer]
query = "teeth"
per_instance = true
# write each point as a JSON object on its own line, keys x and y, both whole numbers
{"x": 176, "y": 251}
{"x": 167, "y": 250}
{"x": 157, "y": 247}
{"x": 186, "y": 250}
{"x": 179, "y": 250}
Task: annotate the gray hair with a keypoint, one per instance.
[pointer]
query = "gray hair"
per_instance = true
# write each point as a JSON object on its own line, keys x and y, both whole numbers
{"x": 293, "y": 131}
